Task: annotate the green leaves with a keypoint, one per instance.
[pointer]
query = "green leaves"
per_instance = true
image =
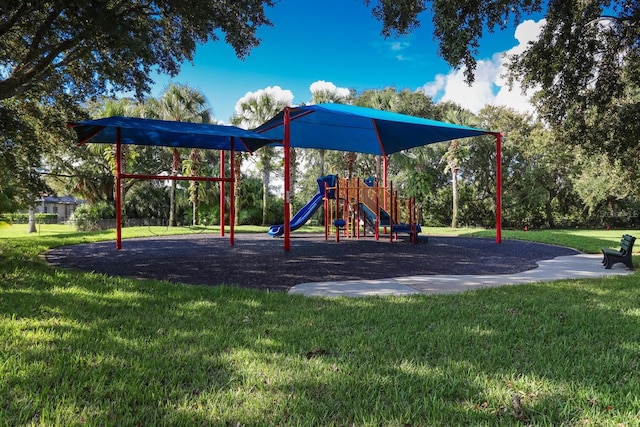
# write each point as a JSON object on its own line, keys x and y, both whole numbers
{"x": 585, "y": 62}
{"x": 64, "y": 46}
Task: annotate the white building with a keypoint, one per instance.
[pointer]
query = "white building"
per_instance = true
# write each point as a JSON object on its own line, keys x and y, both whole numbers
{"x": 62, "y": 206}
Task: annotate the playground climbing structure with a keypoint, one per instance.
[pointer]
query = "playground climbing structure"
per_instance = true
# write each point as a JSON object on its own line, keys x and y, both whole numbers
{"x": 353, "y": 206}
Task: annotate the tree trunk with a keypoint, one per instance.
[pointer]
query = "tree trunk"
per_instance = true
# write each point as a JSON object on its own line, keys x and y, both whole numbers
{"x": 172, "y": 204}
{"x": 350, "y": 158}
{"x": 196, "y": 202}
{"x": 549, "y": 212}
{"x": 174, "y": 188}
{"x": 454, "y": 190}
{"x": 293, "y": 160}
{"x": 32, "y": 220}
{"x": 266, "y": 176}
{"x": 194, "y": 171}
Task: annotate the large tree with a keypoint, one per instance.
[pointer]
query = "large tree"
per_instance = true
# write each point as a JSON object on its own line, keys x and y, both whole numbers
{"x": 57, "y": 54}
{"x": 457, "y": 153}
{"x": 252, "y": 110}
{"x": 181, "y": 103}
{"x": 88, "y": 171}
{"x": 585, "y": 64}
{"x": 61, "y": 46}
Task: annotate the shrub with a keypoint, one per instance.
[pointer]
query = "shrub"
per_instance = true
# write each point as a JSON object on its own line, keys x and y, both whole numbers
{"x": 23, "y": 218}
{"x": 90, "y": 217}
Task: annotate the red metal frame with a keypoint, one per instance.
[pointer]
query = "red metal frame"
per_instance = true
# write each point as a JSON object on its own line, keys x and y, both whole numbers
{"x": 118, "y": 189}
{"x": 287, "y": 179}
{"x": 287, "y": 187}
{"x": 377, "y": 221}
{"x": 337, "y": 205}
{"x": 232, "y": 196}
{"x": 326, "y": 212}
{"x": 222, "y": 180}
{"x": 222, "y": 185}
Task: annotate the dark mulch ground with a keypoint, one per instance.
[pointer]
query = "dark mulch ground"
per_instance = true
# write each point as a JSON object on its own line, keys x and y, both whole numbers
{"x": 259, "y": 261}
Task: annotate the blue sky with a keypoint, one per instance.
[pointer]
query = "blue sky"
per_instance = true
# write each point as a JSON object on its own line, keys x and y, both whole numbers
{"x": 339, "y": 41}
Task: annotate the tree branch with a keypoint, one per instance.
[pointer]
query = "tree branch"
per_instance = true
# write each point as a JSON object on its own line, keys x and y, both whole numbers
{"x": 7, "y": 25}
{"x": 34, "y": 50}
{"x": 18, "y": 81}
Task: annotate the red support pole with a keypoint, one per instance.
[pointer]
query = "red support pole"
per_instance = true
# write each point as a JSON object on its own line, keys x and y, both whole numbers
{"x": 385, "y": 173}
{"x": 357, "y": 208}
{"x": 118, "y": 188}
{"x": 326, "y": 212}
{"x": 287, "y": 179}
{"x": 337, "y": 199}
{"x": 499, "y": 188}
{"x": 222, "y": 185}
{"x": 232, "y": 195}
{"x": 376, "y": 231}
{"x": 391, "y": 211}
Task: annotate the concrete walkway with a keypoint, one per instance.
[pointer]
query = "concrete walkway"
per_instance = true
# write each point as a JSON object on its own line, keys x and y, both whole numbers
{"x": 564, "y": 267}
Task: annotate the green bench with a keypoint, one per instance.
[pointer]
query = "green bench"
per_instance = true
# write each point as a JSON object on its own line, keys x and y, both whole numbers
{"x": 623, "y": 255}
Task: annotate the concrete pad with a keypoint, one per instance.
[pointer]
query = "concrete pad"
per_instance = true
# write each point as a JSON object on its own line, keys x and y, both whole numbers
{"x": 564, "y": 267}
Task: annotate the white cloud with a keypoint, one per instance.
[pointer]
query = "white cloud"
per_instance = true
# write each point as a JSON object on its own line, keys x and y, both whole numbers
{"x": 435, "y": 87}
{"x": 395, "y": 46}
{"x": 490, "y": 86}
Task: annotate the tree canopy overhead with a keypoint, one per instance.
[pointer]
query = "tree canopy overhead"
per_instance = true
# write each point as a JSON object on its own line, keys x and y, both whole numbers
{"x": 57, "y": 54}
{"x": 92, "y": 46}
{"x": 585, "y": 64}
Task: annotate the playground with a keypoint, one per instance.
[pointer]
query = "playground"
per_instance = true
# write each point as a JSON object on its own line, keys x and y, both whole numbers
{"x": 353, "y": 206}
{"x": 356, "y": 205}
{"x": 257, "y": 261}
{"x": 392, "y": 247}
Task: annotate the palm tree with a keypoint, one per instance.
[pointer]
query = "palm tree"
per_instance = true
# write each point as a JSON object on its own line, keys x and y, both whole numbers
{"x": 456, "y": 153}
{"x": 322, "y": 93}
{"x": 181, "y": 103}
{"x": 193, "y": 167}
{"x": 380, "y": 99}
{"x": 325, "y": 92}
{"x": 251, "y": 111}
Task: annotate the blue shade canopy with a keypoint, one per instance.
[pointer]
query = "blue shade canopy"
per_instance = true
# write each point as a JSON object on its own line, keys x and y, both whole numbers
{"x": 137, "y": 131}
{"x": 359, "y": 129}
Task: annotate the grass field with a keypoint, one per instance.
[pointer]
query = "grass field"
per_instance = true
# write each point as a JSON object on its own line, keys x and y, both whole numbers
{"x": 87, "y": 349}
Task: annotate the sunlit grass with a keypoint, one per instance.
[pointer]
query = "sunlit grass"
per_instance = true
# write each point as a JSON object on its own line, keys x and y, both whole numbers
{"x": 88, "y": 349}
{"x": 588, "y": 241}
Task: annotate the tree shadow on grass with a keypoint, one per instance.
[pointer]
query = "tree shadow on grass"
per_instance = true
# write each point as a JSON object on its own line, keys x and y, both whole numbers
{"x": 122, "y": 351}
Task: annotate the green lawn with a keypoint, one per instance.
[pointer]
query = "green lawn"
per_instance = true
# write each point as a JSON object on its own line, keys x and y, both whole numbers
{"x": 88, "y": 349}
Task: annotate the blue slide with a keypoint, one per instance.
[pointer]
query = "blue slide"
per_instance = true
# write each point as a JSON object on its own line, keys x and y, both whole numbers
{"x": 300, "y": 218}
{"x": 303, "y": 215}
{"x": 384, "y": 221}
{"x": 384, "y": 216}
{"x": 371, "y": 215}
